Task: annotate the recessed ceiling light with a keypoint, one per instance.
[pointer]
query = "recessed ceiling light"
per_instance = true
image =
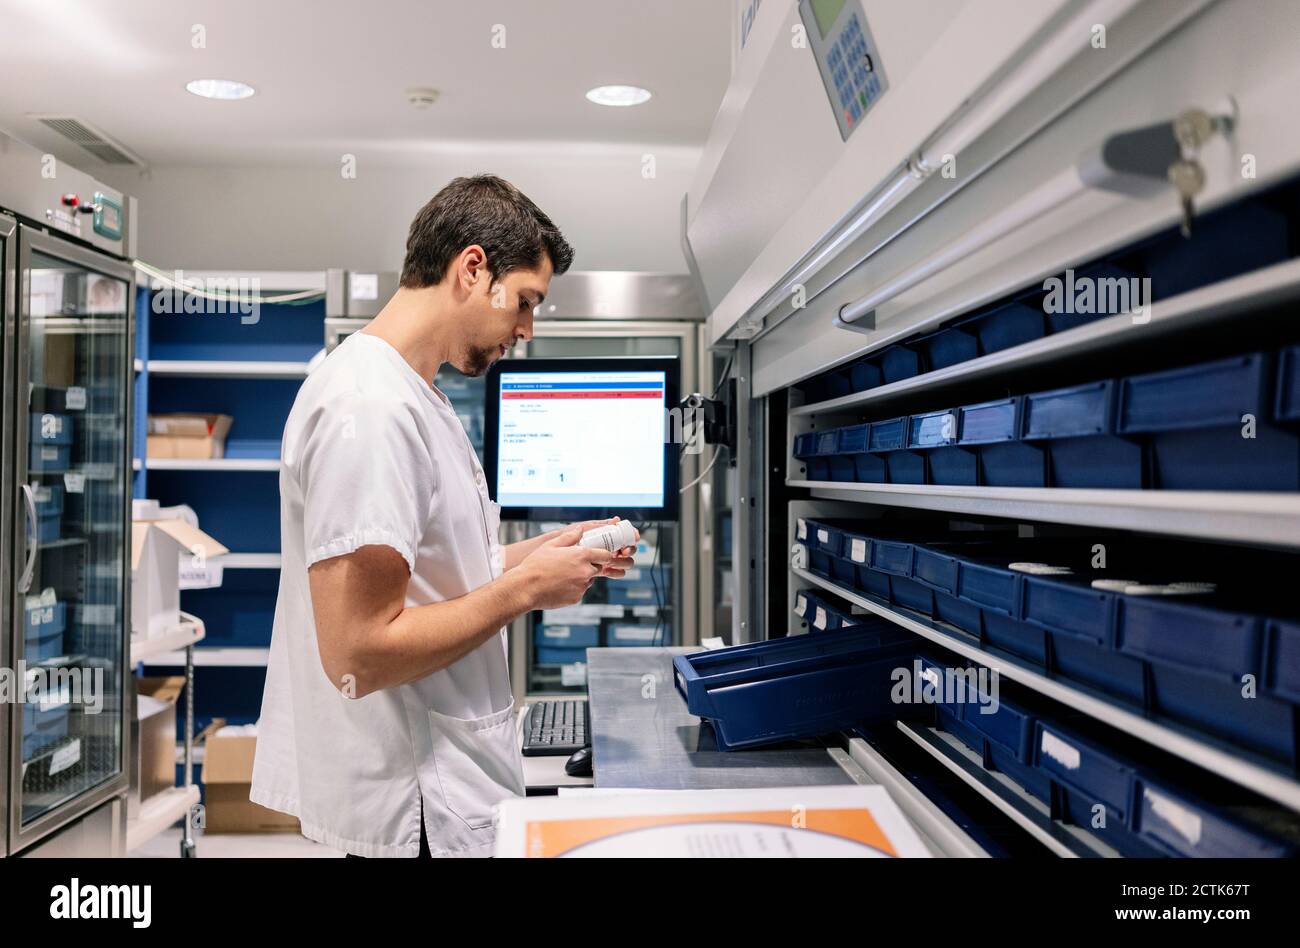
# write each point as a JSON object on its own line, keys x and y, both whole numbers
{"x": 619, "y": 95}
{"x": 219, "y": 88}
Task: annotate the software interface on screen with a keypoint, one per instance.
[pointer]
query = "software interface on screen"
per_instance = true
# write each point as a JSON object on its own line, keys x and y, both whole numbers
{"x": 581, "y": 439}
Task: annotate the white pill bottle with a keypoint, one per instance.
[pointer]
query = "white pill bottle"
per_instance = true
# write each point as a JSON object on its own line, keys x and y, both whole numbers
{"x": 611, "y": 537}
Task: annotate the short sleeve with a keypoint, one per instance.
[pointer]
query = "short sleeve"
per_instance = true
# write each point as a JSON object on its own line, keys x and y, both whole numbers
{"x": 366, "y": 477}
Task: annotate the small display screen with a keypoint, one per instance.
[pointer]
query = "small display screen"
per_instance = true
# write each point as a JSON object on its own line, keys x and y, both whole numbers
{"x": 826, "y": 12}
{"x": 581, "y": 439}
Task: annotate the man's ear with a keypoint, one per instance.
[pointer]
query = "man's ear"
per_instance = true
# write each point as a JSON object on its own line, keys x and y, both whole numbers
{"x": 472, "y": 267}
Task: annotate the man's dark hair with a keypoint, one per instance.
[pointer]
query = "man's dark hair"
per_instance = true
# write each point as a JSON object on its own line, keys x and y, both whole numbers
{"x": 488, "y": 211}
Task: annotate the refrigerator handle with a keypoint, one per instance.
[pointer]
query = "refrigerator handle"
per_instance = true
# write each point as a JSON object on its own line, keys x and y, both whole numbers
{"x": 26, "y": 581}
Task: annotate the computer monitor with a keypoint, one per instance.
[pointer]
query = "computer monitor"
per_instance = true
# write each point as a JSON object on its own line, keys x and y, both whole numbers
{"x": 582, "y": 439}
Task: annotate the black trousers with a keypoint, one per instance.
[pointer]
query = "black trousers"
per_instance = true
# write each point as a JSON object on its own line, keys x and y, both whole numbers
{"x": 424, "y": 841}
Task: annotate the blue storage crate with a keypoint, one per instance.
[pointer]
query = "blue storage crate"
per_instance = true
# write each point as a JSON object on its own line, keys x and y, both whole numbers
{"x": 43, "y": 644}
{"x": 50, "y": 428}
{"x": 958, "y": 612}
{"x": 49, "y": 499}
{"x": 1189, "y": 631}
{"x": 853, "y": 461}
{"x": 849, "y": 443}
{"x": 1213, "y": 703}
{"x": 873, "y": 582}
{"x": 1192, "y": 419}
{"x": 935, "y": 676}
{"x": 1010, "y": 325}
{"x": 1226, "y": 243}
{"x": 1108, "y": 297}
{"x": 1079, "y": 765}
{"x": 1287, "y": 400}
{"x": 567, "y": 636}
{"x": 1179, "y": 824}
{"x": 47, "y": 528}
{"x": 43, "y": 727}
{"x": 559, "y": 654}
{"x": 1282, "y": 659}
{"x": 795, "y": 687}
{"x": 888, "y": 435}
{"x": 935, "y": 568}
{"x": 1020, "y": 638}
{"x": 1078, "y": 807}
{"x": 1079, "y": 622}
{"x": 621, "y": 593}
{"x": 934, "y": 436}
{"x": 946, "y": 347}
{"x": 865, "y": 374}
{"x": 910, "y": 594}
{"x": 43, "y": 620}
{"x": 1077, "y": 427}
{"x": 838, "y": 382}
{"x": 1009, "y": 726}
{"x": 48, "y": 457}
{"x": 627, "y": 634}
{"x": 804, "y": 602}
{"x": 993, "y": 430}
{"x": 825, "y": 444}
{"x": 952, "y": 724}
{"x": 891, "y": 556}
{"x": 854, "y": 552}
{"x": 898, "y": 363}
{"x": 1030, "y": 779}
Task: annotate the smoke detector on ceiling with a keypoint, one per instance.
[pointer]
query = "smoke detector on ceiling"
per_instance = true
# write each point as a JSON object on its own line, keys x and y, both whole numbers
{"x": 421, "y": 97}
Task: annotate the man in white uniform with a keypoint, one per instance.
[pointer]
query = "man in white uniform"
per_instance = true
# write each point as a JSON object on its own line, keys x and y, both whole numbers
{"x": 386, "y": 722}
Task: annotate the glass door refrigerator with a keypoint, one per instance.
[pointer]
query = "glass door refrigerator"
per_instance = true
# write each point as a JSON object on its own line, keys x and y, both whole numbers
{"x": 68, "y": 380}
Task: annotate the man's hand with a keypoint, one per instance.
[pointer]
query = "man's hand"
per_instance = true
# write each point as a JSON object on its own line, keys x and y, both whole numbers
{"x": 622, "y": 561}
{"x": 559, "y": 572}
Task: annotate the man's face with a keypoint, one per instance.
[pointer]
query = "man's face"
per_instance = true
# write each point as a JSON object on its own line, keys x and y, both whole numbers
{"x": 498, "y": 314}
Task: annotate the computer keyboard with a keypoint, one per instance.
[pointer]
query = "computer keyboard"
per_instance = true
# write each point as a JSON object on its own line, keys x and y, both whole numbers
{"x": 556, "y": 727}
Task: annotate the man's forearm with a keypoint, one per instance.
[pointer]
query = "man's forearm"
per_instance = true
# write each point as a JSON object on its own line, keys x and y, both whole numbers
{"x": 515, "y": 552}
{"x": 421, "y": 640}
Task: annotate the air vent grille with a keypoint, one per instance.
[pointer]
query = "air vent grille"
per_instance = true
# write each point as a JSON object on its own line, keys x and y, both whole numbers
{"x": 91, "y": 139}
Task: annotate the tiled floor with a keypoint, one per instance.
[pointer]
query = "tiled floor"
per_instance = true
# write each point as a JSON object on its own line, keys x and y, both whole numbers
{"x": 237, "y": 845}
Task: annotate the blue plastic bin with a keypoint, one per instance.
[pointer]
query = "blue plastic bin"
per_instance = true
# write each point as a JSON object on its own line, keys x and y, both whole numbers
{"x": 1009, "y": 726}
{"x": 1179, "y": 824}
{"x": 824, "y": 447}
{"x": 851, "y": 442}
{"x": 49, "y": 499}
{"x": 954, "y": 725}
{"x": 934, "y": 435}
{"x": 1282, "y": 659}
{"x": 43, "y": 727}
{"x": 993, "y": 429}
{"x": 560, "y": 654}
{"x": 947, "y": 347}
{"x": 1095, "y": 292}
{"x": 1213, "y": 703}
{"x": 795, "y": 687}
{"x": 50, "y": 428}
{"x": 1076, "y": 426}
{"x": 898, "y": 363}
{"x": 1224, "y": 244}
{"x": 1193, "y": 420}
{"x": 1009, "y": 325}
{"x": 568, "y": 636}
{"x": 48, "y": 457}
{"x": 1078, "y": 764}
{"x": 934, "y": 677}
{"x": 1189, "y": 631}
{"x": 47, "y": 528}
{"x": 865, "y": 374}
{"x": 40, "y": 621}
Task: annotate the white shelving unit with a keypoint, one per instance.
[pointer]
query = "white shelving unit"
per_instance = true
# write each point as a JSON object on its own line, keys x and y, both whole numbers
{"x": 218, "y": 657}
{"x": 213, "y": 464}
{"x": 166, "y": 808}
{"x": 250, "y": 561}
{"x": 1221, "y": 761}
{"x": 1255, "y": 517}
{"x": 196, "y": 368}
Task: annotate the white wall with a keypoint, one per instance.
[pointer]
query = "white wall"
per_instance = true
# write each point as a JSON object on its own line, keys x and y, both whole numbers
{"x": 280, "y": 217}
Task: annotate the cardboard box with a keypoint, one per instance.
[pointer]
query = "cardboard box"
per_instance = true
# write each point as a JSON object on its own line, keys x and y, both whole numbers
{"x": 227, "y": 777}
{"x": 153, "y": 739}
{"x": 189, "y": 436}
{"x": 156, "y": 549}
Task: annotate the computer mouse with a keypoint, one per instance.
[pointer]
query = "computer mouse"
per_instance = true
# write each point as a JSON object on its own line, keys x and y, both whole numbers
{"x": 579, "y": 763}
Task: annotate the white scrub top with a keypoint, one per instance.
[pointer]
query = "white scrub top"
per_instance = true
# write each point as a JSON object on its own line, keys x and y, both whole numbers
{"x": 373, "y": 454}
